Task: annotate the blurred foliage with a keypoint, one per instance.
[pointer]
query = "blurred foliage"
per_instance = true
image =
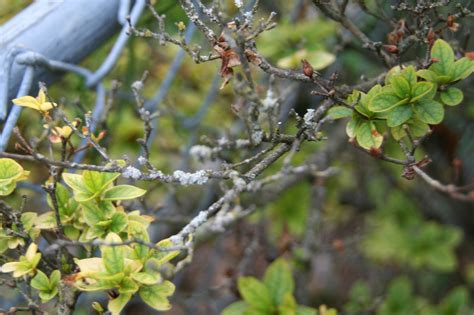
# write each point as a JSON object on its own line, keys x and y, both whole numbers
{"x": 398, "y": 234}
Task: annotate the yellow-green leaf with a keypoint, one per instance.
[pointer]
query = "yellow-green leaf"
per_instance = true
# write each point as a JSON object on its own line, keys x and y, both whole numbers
{"x": 146, "y": 278}
{"x": 279, "y": 280}
{"x": 420, "y": 90}
{"x": 116, "y": 305}
{"x": 10, "y": 173}
{"x": 401, "y": 87}
{"x": 463, "y": 68}
{"x": 98, "y": 181}
{"x": 113, "y": 256}
{"x": 128, "y": 286}
{"x": 385, "y": 101}
{"x": 338, "y": 112}
{"x": 367, "y": 136}
{"x": 157, "y": 295}
{"x": 452, "y": 96}
{"x": 123, "y": 192}
{"x": 429, "y": 111}
{"x": 40, "y": 281}
{"x": 428, "y": 75}
{"x": 399, "y": 115}
{"x": 236, "y": 308}
{"x": 161, "y": 257}
{"x": 255, "y": 293}
{"x": 444, "y": 55}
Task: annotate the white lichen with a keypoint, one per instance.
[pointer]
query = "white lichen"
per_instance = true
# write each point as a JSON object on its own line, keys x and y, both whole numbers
{"x": 197, "y": 178}
{"x": 248, "y": 17}
{"x": 137, "y": 85}
{"x": 238, "y": 3}
{"x": 270, "y": 100}
{"x": 239, "y": 183}
{"x": 131, "y": 172}
{"x": 241, "y": 143}
{"x": 158, "y": 175}
{"x": 142, "y": 160}
{"x": 257, "y": 136}
{"x": 222, "y": 141}
{"x": 309, "y": 117}
{"x": 190, "y": 228}
{"x": 201, "y": 152}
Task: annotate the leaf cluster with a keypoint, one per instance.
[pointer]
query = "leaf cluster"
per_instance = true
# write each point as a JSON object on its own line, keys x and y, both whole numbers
{"x": 409, "y": 101}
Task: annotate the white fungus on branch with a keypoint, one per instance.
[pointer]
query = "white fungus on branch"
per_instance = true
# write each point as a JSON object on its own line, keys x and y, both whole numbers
{"x": 197, "y": 178}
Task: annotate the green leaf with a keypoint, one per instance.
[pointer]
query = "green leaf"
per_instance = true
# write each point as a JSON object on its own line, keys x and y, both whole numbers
{"x": 463, "y": 68}
{"x": 338, "y": 112}
{"x": 255, "y": 293}
{"x": 123, "y": 192}
{"x": 40, "y": 282}
{"x": 46, "y": 221}
{"x": 360, "y": 298}
{"x": 10, "y": 169}
{"x": 421, "y": 89}
{"x": 93, "y": 213}
{"x": 55, "y": 277}
{"x": 7, "y": 187}
{"x": 254, "y": 311}
{"x": 236, "y": 308}
{"x": 288, "y": 305}
{"x": 444, "y": 79}
{"x": 399, "y": 299}
{"x": 394, "y": 71}
{"x": 444, "y": 54}
{"x": 363, "y": 105}
{"x": 138, "y": 231}
{"x": 157, "y": 295}
{"x": 399, "y": 115}
{"x": 97, "y": 181}
{"x": 428, "y": 75}
{"x": 401, "y": 87}
{"x": 116, "y": 305}
{"x": 80, "y": 196}
{"x": 19, "y": 269}
{"x": 279, "y": 280}
{"x": 429, "y": 111}
{"x": 10, "y": 173}
{"x": 49, "y": 287}
{"x": 128, "y": 286}
{"x": 71, "y": 232}
{"x": 76, "y": 182}
{"x": 48, "y": 295}
{"x": 305, "y": 310}
{"x": 113, "y": 256}
{"x": 28, "y": 220}
{"x": 146, "y": 278}
{"x": 455, "y": 301}
{"x": 162, "y": 257}
{"x": 416, "y": 127}
{"x": 409, "y": 73}
{"x": 351, "y": 127}
{"x": 67, "y": 205}
{"x": 367, "y": 136}
{"x": 452, "y": 96}
{"x": 385, "y": 101}
{"x": 118, "y": 222}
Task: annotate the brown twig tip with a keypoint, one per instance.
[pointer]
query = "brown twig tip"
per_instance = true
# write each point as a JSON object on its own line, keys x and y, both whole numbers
{"x": 308, "y": 69}
{"x": 393, "y": 49}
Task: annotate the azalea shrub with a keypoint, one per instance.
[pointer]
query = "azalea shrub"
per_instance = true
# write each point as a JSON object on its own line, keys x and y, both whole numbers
{"x": 249, "y": 158}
